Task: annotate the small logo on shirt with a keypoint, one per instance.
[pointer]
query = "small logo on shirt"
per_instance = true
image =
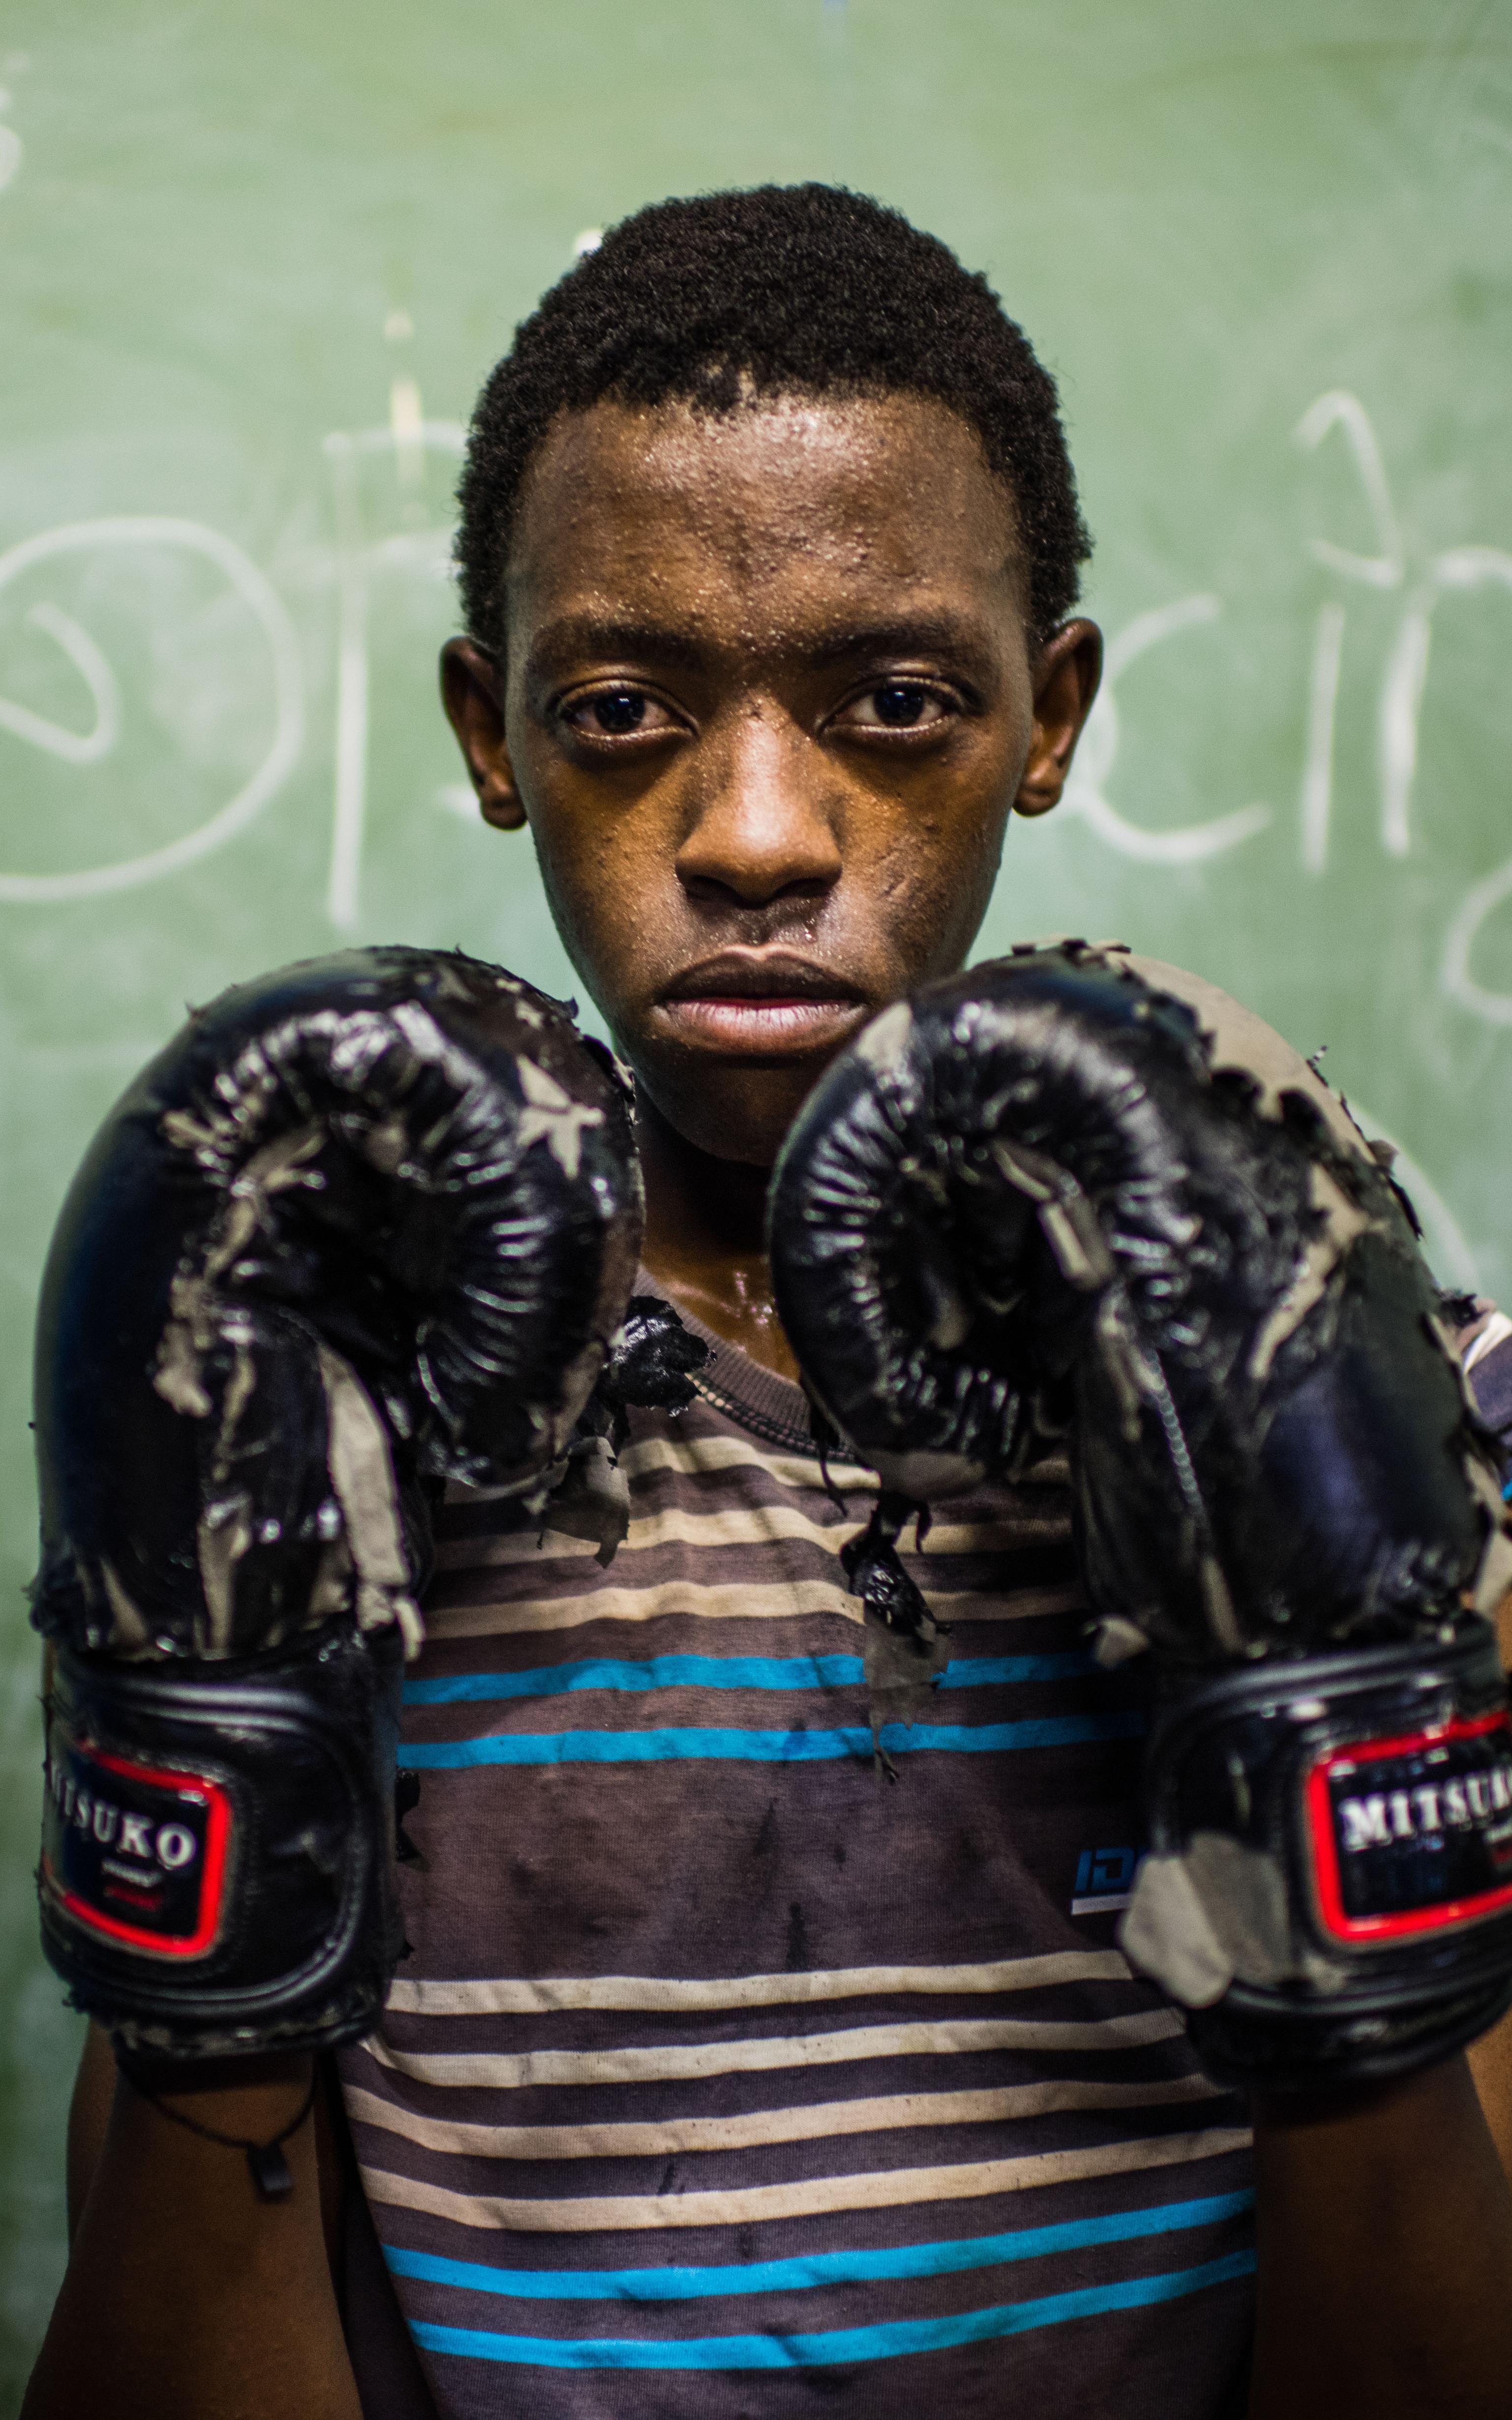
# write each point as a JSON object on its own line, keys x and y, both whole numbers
{"x": 1104, "y": 1878}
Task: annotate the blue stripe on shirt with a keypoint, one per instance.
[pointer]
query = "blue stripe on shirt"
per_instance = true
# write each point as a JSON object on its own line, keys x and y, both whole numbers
{"x": 725, "y": 1672}
{"x": 882, "y": 2342}
{"x": 982, "y": 1671}
{"x": 733, "y": 2278}
{"x": 765, "y": 1747}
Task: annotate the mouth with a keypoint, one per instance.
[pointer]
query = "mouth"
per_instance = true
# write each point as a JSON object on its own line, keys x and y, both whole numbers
{"x": 764, "y": 1001}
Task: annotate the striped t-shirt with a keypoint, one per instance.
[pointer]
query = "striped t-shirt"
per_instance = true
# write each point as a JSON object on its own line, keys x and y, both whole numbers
{"x": 725, "y": 2078}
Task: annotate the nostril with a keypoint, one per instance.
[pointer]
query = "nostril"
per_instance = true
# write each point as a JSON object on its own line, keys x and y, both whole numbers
{"x": 759, "y": 848}
{"x": 750, "y": 888}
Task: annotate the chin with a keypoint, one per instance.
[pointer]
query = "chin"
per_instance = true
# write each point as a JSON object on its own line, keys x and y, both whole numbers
{"x": 731, "y": 1108}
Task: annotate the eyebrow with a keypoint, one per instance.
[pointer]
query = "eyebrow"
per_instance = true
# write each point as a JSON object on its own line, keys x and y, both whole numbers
{"x": 916, "y": 634}
{"x": 579, "y": 634}
{"x": 922, "y": 634}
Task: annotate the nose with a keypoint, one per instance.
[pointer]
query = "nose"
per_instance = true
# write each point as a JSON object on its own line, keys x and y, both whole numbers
{"x": 762, "y": 830}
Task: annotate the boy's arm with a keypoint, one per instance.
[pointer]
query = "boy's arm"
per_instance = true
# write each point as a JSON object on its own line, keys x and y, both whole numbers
{"x": 94, "y": 2092}
{"x": 1385, "y": 2248}
{"x": 186, "y": 2296}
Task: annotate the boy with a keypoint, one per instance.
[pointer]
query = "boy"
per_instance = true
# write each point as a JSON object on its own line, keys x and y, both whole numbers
{"x": 719, "y": 2077}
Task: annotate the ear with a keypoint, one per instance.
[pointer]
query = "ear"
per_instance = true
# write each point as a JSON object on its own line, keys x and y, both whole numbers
{"x": 470, "y": 683}
{"x": 1065, "y": 683}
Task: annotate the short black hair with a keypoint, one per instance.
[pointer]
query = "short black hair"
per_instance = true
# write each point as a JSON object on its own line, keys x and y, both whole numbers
{"x": 780, "y": 289}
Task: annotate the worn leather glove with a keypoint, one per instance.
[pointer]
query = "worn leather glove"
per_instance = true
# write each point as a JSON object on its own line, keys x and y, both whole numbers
{"x": 1051, "y": 1194}
{"x": 365, "y": 1225}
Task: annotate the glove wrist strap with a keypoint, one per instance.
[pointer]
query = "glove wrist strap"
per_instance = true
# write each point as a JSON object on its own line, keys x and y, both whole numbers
{"x": 1329, "y": 1882}
{"x": 216, "y": 1870}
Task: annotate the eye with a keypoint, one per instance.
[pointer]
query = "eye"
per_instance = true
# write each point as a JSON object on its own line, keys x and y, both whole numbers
{"x": 620, "y": 709}
{"x": 897, "y": 706}
{"x": 615, "y": 713}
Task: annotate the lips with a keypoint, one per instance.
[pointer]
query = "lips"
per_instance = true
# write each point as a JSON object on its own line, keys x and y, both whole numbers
{"x": 760, "y": 1001}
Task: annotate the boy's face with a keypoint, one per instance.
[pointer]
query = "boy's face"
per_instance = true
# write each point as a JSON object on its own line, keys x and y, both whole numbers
{"x": 767, "y": 704}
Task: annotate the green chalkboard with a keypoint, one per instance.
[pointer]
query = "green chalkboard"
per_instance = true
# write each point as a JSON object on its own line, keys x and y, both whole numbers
{"x": 255, "y": 259}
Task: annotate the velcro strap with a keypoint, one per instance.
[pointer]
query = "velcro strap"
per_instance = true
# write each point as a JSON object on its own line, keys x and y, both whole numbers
{"x": 1332, "y": 1824}
{"x": 136, "y": 1853}
{"x": 216, "y": 1867}
{"x": 1410, "y": 1835}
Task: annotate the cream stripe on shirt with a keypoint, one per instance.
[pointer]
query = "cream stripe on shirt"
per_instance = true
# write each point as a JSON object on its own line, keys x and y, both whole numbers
{"x": 623, "y": 2138}
{"x": 807, "y": 2198}
{"x": 755, "y": 1525}
{"x": 539, "y": 1995}
{"x": 506, "y": 2071}
{"x": 779, "y": 1601}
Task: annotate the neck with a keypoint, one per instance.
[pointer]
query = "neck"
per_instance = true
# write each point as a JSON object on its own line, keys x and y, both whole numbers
{"x": 705, "y": 1240}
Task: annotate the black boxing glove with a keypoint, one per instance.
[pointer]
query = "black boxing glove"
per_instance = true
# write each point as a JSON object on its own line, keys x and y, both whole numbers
{"x": 1051, "y": 1195}
{"x": 365, "y": 1225}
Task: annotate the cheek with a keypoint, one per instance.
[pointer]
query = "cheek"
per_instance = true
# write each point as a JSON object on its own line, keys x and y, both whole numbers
{"x": 933, "y": 878}
{"x": 605, "y": 899}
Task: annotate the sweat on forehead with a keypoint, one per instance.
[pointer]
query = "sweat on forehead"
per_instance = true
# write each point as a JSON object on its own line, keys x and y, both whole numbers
{"x": 800, "y": 291}
{"x": 770, "y": 516}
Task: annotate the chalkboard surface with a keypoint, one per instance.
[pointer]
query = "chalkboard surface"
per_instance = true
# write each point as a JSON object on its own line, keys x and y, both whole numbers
{"x": 255, "y": 260}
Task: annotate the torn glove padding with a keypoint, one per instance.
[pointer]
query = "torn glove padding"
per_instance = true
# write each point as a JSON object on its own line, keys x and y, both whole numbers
{"x": 365, "y": 1225}
{"x": 1052, "y": 1194}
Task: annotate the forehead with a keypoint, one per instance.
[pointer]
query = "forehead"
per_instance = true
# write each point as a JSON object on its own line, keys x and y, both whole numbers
{"x": 764, "y": 519}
